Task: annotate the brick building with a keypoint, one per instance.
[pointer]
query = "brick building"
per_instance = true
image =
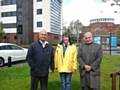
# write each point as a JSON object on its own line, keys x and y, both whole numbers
{"x": 102, "y": 26}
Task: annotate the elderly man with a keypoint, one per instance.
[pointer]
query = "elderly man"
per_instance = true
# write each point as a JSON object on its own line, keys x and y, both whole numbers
{"x": 89, "y": 58}
{"x": 40, "y": 58}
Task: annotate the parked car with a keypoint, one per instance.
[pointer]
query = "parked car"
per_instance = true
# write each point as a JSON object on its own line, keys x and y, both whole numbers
{"x": 15, "y": 52}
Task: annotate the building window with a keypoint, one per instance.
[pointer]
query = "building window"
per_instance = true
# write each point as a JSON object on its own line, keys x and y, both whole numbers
{"x": 39, "y": 11}
{"x": 8, "y": 2}
{"x": 39, "y": 0}
{"x": 10, "y": 25}
{"x": 39, "y": 24}
{"x": 8, "y": 14}
{"x": 20, "y": 29}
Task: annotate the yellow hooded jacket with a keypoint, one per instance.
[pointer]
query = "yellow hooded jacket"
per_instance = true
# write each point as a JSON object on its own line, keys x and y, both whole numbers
{"x": 68, "y": 62}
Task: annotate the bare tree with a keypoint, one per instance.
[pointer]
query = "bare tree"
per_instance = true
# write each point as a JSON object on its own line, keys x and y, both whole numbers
{"x": 74, "y": 30}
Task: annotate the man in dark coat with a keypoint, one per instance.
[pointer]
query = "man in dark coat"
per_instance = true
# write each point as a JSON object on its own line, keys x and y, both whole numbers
{"x": 89, "y": 58}
{"x": 40, "y": 58}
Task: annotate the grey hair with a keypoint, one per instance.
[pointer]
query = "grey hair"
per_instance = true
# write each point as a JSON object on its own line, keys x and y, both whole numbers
{"x": 88, "y": 33}
{"x": 43, "y": 30}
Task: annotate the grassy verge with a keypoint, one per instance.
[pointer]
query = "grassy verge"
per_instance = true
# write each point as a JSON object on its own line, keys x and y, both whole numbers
{"x": 17, "y": 77}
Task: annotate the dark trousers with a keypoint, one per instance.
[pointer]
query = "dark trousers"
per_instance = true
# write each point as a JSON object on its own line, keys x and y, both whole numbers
{"x": 43, "y": 82}
{"x": 88, "y": 88}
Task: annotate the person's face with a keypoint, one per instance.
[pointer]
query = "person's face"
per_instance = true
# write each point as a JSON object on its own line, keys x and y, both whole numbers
{"x": 88, "y": 39}
{"x": 42, "y": 36}
{"x": 65, "y": 40}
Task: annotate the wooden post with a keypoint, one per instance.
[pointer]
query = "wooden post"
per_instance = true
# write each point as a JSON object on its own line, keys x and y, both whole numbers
{"x": 113, "y": 75}
{"x": 118, "y": 73}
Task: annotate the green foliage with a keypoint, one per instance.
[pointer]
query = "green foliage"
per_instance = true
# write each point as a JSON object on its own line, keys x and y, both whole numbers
{"x": 17, "y": 77}
{"x": 1, "y": 28}
{"x": 1, "y": 31}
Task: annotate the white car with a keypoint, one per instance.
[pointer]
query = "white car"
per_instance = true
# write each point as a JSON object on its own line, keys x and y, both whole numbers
{"x": 13, "y": 51}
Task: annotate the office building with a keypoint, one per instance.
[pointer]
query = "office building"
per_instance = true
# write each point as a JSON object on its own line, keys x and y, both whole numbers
{"x": 23, "y": 19}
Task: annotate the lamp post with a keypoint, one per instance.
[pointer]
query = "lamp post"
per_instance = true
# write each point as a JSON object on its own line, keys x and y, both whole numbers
{"x": 110, "y": 35}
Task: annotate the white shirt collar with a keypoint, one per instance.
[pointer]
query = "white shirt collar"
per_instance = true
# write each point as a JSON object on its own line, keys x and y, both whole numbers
{"x": 43, "y": 43}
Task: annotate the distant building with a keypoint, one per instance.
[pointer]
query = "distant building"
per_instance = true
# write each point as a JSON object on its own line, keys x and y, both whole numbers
{"x": 102, "y": 26}
{"x": 23, "y": 19}
{"x": 47, "y": 15}
{"x": 8, "y": 18}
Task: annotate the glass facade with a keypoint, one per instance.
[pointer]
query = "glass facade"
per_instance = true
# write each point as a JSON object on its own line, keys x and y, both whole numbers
{"x": 9, "y": 25}
{"x": 55, "y": 16}
{"x": 8, "y": 2}
{"x": 8, "y": 14}
{"x": 39, "y": 0}
{"x": 102, "y": 20}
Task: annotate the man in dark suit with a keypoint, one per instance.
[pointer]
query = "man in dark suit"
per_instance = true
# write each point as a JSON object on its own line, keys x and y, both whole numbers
{"x": 40, "y": 58}
{"x": 89, "y": 58}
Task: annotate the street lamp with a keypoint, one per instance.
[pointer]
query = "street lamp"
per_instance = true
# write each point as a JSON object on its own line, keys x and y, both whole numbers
{"x": 110, "y": 35}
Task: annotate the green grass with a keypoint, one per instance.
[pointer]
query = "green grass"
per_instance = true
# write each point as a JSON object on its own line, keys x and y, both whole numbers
{"x": 17, "y": 77}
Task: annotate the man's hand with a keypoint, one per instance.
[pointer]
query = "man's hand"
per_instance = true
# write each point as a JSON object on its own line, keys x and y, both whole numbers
{"x": 87, "y": 68}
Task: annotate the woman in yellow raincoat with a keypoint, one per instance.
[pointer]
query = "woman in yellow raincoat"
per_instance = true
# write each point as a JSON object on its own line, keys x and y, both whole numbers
{"x": 66, "y": 61}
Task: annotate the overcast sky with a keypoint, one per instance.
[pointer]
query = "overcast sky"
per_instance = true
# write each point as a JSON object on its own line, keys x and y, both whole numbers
{"x": 84, "y": 10}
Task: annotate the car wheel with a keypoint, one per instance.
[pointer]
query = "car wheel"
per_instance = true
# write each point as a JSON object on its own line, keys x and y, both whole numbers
{"x": 1, "y": 62}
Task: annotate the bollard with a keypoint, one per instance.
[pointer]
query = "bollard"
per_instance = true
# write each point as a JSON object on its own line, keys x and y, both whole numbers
{"x": 9, "y": 62}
